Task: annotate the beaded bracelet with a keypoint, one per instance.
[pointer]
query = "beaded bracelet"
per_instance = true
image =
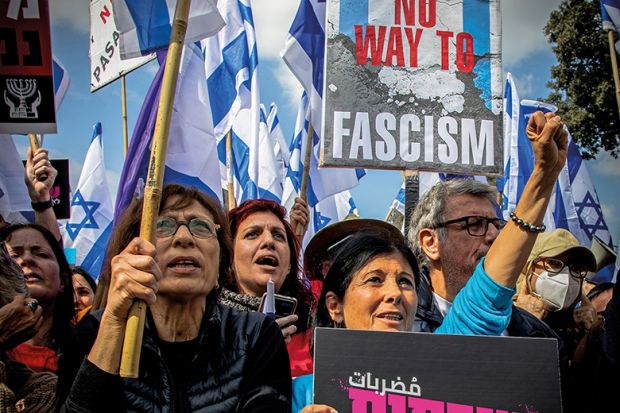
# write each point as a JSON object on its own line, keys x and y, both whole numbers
{"x": 525, "y": 225}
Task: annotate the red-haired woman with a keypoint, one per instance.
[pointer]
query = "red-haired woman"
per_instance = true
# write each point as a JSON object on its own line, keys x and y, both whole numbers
{"x": 265, "y": 247}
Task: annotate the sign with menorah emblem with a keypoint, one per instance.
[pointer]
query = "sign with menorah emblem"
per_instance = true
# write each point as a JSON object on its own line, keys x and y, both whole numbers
{"x": 26, "y": 72}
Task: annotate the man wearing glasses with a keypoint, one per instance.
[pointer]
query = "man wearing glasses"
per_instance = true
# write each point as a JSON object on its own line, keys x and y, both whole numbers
{"x": 452, "y": 228}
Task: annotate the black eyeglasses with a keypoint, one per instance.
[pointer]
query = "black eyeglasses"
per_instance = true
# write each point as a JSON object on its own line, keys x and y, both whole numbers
{"x": 198, "y": 227}
{"x": 555, "y": 266}
{"x": 476, "y": 225}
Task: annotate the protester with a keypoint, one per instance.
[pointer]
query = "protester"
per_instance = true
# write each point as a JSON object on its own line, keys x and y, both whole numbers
{"x": 265, "y": 247}
{"x": 482, "y": 307}
{"x": 196, "y": 355}
{"x": 48, "y": 278}
{"x": 21, "y": 389}
{"x": 595, "y": 368}
{"x": 84, "y": 287}
{"x": 550, "y": 285}
{"x": 452, "y": 228}
{"x": 39, "y": 178}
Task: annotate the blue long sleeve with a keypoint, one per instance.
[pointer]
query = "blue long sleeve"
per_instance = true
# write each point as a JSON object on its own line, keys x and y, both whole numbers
{"x": 483, "y": 307}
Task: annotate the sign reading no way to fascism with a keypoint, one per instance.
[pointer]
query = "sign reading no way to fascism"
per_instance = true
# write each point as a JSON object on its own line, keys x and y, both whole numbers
{"x": 413, "y": 84}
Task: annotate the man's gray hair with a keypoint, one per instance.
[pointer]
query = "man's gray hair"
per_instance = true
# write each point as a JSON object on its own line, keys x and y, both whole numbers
{"x": 430, "y": 209}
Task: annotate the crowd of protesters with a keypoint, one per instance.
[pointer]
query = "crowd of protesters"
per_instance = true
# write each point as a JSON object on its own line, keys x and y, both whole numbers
{"x": 206, "y": 345}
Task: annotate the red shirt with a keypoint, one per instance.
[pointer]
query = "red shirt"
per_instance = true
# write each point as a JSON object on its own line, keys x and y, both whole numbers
{"x": 37, "y": 358}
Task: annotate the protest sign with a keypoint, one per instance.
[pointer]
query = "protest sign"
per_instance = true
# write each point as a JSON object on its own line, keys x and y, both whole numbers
{"x": 26, "y": 72}
{"x": 413, "y": 84}
{"x": 105, "y": 60}
{"x": 377, "y": 372}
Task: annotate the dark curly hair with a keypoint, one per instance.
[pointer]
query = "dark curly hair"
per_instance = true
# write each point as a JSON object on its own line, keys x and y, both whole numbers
{"x": 128, "y": 227}
{"x": 293, "y": 285}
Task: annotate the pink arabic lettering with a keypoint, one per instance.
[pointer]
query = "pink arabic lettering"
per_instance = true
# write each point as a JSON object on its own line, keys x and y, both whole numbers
{"x": 370, "y": 401}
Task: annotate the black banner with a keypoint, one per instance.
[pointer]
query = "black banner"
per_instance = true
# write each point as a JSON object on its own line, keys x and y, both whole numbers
{"x": 381, "y": 372}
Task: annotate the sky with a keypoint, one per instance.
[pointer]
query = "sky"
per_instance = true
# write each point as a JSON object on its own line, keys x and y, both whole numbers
{"x": 526, "y": 54}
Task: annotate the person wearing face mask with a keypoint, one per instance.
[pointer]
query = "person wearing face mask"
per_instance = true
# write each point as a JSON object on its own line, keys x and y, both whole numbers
{"x": 550, "y": 284}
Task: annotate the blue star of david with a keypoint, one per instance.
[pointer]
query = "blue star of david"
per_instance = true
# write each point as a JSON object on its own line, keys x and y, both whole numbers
{"x": 89, "y": 208}
{"x": 599, "y": 224}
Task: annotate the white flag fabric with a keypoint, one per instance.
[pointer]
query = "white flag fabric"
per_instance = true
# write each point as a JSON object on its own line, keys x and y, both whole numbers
{"x": 14, "y": 199}
{"x": 322, "y": 182}
{"x": 190, "y": 128}
{"x": 61, "y": 81}
{"x": 144, "y": 26}
{"x": 90, "y": 225}
{"x": 330, "y": 210}
{"x": 232, "y": 77}
{"x": 280, "y": 147}
{"x": 303, "y": 53}
{"x": 269, "y": 175}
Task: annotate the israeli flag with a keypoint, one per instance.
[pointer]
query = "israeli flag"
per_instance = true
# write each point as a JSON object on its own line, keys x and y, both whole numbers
{"x": 574, "y": 204}
{"x": 61, "y": 81}
{"x": 280, "y": 146}
{"x": 144, "y": 26}
{"x": 304, "y": 52}
{"x": 90, "y": 225}
{"x": 232, "y": 79}
{"x": 269, "y": 175}
{"x": 14, "y": 199}
{"x": 322, "y": 182}
{"x": 330, "y": 210}
{"x": 192, "y": 152}
{"x": 398, "y": 204}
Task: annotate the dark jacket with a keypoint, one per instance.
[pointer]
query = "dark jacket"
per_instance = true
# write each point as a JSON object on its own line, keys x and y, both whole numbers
{"x": 595, "y": 368}
{"x": 522, "y": 323}
{"x": 241, "y": 365}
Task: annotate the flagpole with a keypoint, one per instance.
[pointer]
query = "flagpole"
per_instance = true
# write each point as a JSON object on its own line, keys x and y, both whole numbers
{"x": 124, "y": 109}
{"x": 303, "y": 193}
{"x": 132, "y": 344}
{"x": 229, "y": 174}
{"x": 614, "y": 66}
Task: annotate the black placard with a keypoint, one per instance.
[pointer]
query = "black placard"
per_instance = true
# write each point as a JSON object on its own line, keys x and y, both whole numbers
{"x": 380, "y": 372}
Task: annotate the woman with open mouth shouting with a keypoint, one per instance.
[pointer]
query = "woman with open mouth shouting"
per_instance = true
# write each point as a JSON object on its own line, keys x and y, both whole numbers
{"x": 266, "y": 248}
{"x": 197, "y": 355}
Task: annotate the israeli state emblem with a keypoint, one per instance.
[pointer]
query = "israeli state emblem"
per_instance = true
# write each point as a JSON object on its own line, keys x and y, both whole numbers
{"x": 23, "y": 98}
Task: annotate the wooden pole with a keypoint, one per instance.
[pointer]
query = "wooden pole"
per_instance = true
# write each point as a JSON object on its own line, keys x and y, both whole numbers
{"x": 34, "y": 145}
{"x": 132, "y": 344}
{"x": 614, "y": 66}
{"x": 303, "y": 193}
{"x": 229, "y": 174}
{"x": 124, "y": 109}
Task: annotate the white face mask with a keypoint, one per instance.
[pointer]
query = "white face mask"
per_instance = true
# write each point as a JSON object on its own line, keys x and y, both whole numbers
{"x": 559, "y": 290}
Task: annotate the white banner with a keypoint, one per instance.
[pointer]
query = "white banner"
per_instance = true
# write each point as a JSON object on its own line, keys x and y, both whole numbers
{"x": 105, "y": 61}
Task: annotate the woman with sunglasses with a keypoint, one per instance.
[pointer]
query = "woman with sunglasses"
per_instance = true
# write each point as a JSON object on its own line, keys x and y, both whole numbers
{"x": 550, "y": 285}
{"x": 197, "y": 355}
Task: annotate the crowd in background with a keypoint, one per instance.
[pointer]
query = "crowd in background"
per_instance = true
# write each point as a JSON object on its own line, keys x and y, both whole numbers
{"x": 207, "y": 346}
